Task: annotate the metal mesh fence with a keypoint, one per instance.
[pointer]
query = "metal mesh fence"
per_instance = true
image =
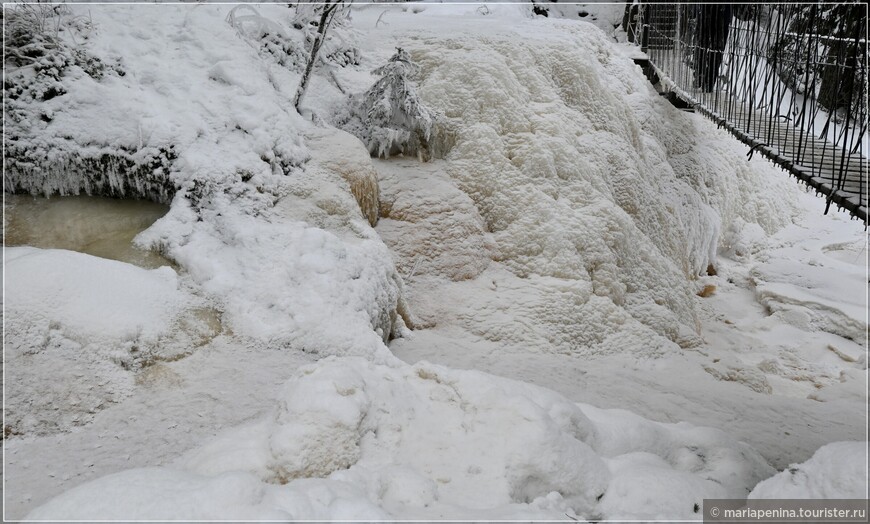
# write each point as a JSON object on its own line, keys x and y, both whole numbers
{"x": 790, "y": 80}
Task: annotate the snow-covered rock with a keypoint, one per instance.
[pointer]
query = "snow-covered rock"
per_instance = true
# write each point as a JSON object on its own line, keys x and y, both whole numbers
{"x": 291, "y": 272}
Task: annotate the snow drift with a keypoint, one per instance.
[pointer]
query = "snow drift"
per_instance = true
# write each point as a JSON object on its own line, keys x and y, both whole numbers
{"x": 837, "y": 470}
{"x": 350, "y": 438}
{"x": 74, "y": 338}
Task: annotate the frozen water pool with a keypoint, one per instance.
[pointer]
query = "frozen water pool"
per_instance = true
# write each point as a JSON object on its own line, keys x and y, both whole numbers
{"x": 99, "y": 226}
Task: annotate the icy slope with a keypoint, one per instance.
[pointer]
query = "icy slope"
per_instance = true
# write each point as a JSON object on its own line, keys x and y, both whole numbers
{"x": 595, "y": 201}
{"x": 488, "y": 316}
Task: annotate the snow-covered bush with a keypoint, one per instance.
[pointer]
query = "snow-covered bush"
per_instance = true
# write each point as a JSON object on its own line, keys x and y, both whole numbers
{"x": 390, "y": 118}
{"x": 268, "y": 36}
{"x": 42, "y": 58}
{"x": 37, "y": 54}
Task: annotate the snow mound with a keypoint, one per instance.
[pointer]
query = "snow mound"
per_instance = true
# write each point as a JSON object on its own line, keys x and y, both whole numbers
{"x": 94, "y": 297}
{"x": 663, "y": 470}
{"x": 77, "y": 329}
{"x": 425, "y": 441}
{"x": 164, "y": 494}
{"x": 835, "y": 471}
{"x": 448, "y": 430}
{"x": 318, "y": 262}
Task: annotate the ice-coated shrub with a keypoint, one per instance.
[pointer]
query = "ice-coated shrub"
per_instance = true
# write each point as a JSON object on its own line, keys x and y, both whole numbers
{"x": 268, "y": 36}
{"x": 390, "y": 118}
{"x": 36, "y": 57}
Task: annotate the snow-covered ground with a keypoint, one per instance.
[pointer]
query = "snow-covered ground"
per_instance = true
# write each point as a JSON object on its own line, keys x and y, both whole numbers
{"x": 590, "y": 291}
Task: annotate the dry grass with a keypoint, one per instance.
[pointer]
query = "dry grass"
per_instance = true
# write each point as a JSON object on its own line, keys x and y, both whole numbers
{"x": 707, "y": 291}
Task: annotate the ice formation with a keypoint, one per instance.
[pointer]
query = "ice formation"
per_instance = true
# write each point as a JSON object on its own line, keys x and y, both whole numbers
{"x": 597, "y": 203}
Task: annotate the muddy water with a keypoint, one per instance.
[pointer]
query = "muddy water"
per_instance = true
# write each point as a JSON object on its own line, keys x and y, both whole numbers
{"x": 98, "y": 226}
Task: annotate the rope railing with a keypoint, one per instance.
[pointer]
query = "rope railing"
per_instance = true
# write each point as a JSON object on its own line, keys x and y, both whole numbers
{"x": 789, "y": 80}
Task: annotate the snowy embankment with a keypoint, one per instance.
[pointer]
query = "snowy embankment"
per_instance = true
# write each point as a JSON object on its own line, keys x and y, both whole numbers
{"x": 569, "y": 217}
{"x": 583, "y": 205}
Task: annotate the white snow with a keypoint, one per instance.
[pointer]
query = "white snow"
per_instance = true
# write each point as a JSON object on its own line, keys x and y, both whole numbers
{"x": 190, "y": 83}
{"x": 836, "y": 471}
{"x": 94, "y": 296}
{"x": 290, "y": 273}
{"x": 281, "y": 250}
{"x": 77, "y": 325}
{"x": 425, "y": 442}
{"x": 589, "y": 202}
{"x": 549, "y": 265}
{"x": 793, "y": 281}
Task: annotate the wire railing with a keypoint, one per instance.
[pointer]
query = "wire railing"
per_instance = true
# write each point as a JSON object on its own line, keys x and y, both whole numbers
{"x": 789, "y": 80}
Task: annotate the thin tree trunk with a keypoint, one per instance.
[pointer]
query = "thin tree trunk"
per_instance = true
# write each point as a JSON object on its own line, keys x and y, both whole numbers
{"x": 325, "y": 19}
